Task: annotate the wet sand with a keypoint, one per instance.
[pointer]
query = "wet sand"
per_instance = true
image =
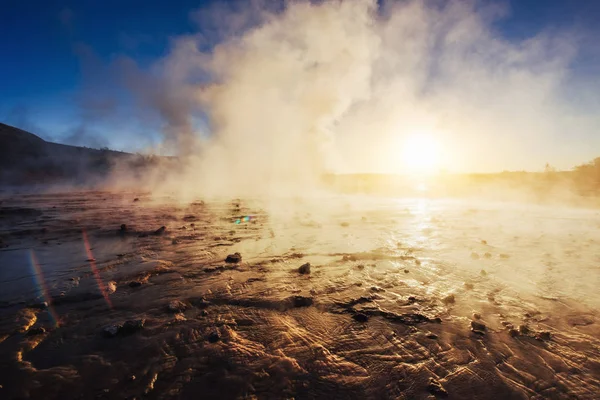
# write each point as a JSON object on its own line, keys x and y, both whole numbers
{"x": 404, "y": 299}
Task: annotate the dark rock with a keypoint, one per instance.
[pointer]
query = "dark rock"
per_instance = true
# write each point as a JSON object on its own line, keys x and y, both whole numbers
{"x": 475, "y": 256}
{"x": 377, "y": 289}
{"x": 135, "y": 284}
{"x": 123, "y": 228}
{"x": 476, "y": 316}
{"x": 36, "y": 331}
{"x": 175, "y": 241}
{"x": 513, "y": 332}
{"x": 110, "y": 330}
{"x": 304, "y": 268}
{"x": 204, "y": 313}
{"x": 406, "y": 271}
{"x": 214, "y": 337}
{"x": 176, "y": 306}
{"x": 136, "y": 199}
{"x": 431, "y": 336}
{"x": 468, "y": 286}
{"x": 411, "y": 299}
{"x": 131, "y": 326}
{"x": 234, "y": 258}
{"x": 449, "y": 299}
{"x": 301, "y": 301}
{"x": 543, "y": 335}
{"x": 435, "y": 388}
{"x": 478, "y": 327}
{"x": 42, "y": 305}
{"x": 160, "y": 230}
{"x": 524, "y": 330}
{"x": 360, "y": 317}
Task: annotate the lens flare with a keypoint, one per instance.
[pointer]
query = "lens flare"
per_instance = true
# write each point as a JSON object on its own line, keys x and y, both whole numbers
{"x": 92, "y": 261}
{"x": 42, "y": 289}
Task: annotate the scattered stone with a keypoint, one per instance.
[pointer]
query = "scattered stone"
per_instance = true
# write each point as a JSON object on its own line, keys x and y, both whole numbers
{"x": 487, "y": 255}
{"x": 132, "y": 378}
{"x": 160, "y": 230}
{"x": 136, "y": 199}
{"x": 360, "y": 266}
{"x": 234, "y": 258}
{"x": 42, "y": 306}
{"x": 483, "y": 273}
{"x": 131, "y": 326}
{"x": 475, "y": 256}
{"x": 478, "y": 327}
{"x": 214, "y": 337}
{"x": 204, "y": 313}
{"x": 304, "y": 268}
{"x": 302, "y": 301}
{"x": 469, "y": 286}
{"x": 543, "y": 335}
{"x": 175, "y": 241}
{"x": 411, "y": 299}
{"x": 513, "y": 332}
{"x": 406, "y": 271}
{"x": 431, "y": 335}
{"x": 524, "y": 329}
{"x": 377, "y": 289}
{"x": 176, "y": 306}
{"x": 360, "y": 317}
{"x": 134, "y": 284}
{"x": 36, "y": 331}
{"x": 349, "y": 257}
{"x": 111, "y": 287}
{"x": 123, "y": 228}
{"x": 111, "y": 330}
{"x": 476, "y": 316}
{"x": 449, "y": 299}
{"x": 435, "y": 388}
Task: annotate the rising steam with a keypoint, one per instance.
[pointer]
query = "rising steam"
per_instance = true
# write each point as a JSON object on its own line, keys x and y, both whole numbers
{"x": 295, "y": 91}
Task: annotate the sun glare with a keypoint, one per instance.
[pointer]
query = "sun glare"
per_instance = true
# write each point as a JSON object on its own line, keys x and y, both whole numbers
{"x": 420, "y": 153}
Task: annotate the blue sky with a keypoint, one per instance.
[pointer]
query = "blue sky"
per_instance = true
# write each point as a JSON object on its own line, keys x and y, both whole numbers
{"x": 53, "y": 50}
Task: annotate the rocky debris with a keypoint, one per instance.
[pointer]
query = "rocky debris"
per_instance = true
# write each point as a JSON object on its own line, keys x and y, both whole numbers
{"x": 377, "y": 289}
{"x": 160, "y": 231}
{"x": 360, "y": 317}
{"x": 304, "y": 269}
{"x": 136, "y": 199}
{"x": 36, "y": 331}
{"x": 436, "y": 388}
{"x": 431, "y": 335}
{"x": 513, "y": 332}
{"x": 123, "y": 229}
{"x": 478, "y": 327}
{"x": 349, "y": 257}
{"x": 131, "y": 326}
{"x": 408, "y": 318}
{"x": 449, "y": 299}
{"x": 42, "y": 305}
{"x": 487, "y": 255}
{"x": 233, "y": 258}
{"x": 524, "y": 330}
{"x": 474, "y": 256}
{"x": 476, "y": 316}
{"x": 543, "y": 335}
{"x": 134, "y": 284}
{"x": 406, "y": 271}
{"x": 176, "y": 306}
{"x": 301, "y": 301}
{"x": 175, "y": 241}
{"x": 214, "y": 337}
{"x": 200, "y": 302}
{"x": 111, "y": 330}
{"x": 469, "y": 286}
{"x": 111, "y": 287}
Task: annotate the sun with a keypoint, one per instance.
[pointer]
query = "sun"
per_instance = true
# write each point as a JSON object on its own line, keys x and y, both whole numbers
{"x": 420, "y": 153}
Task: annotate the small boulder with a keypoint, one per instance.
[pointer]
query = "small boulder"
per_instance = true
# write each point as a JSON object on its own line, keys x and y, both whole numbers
{"x": 160, "y": 230}
{"x": 487, "y": 255}
{"x": 134, "y": 284}
{"x": 214, "y": 337}
{"x": 36, "y": 331}
{"x": 478, "y": 327}
{"x": 304, "y": 269}
{"x": 468, "y": 286}
{"x": 176, "y": 306}
{"x": 513, "y": 332}
{"x": 132, "y": 326}
{"x": 110, "y": 330}
{"x": 476, "y": 316}
{"x": 301, "y": 301}
{"x": 524, "y": 330}
{"x": 543, "y": 335}
{"x": 449, "y": 299}
{"x": 360, "y": 317}
{"x": 111, "y": 287}
{"x": 406, "y": 271}
{"x": 234, "y": 258}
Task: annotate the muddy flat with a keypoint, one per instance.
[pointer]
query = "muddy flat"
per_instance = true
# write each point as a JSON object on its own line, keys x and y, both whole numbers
{"x": 134, "y": 295}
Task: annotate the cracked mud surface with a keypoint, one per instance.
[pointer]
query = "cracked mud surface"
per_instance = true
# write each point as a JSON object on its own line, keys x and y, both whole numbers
{"x": 405, "y": 299}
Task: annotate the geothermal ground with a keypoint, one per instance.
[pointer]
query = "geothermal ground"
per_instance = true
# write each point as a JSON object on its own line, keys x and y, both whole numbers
{"x": 401, "y": 298}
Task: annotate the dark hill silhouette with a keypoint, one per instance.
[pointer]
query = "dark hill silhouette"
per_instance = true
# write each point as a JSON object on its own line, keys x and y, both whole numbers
{"x": 28, "y": 159}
